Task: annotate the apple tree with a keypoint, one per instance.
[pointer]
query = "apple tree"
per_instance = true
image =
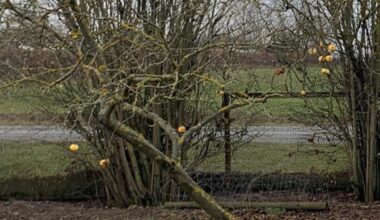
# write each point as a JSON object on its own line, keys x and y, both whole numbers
{"x": 131, "y": 82}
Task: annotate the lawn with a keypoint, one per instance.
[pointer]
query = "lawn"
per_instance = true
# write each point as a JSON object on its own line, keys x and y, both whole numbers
{"x": 275, "y": 110}
{"x": 37, "y": 159}
{"x": 27, "y": 105}
{"x": 23, "y": 105}
{"x": 264, "y": 80}
{"x": 49, "y": 171}
{"x": 283, "y": 158}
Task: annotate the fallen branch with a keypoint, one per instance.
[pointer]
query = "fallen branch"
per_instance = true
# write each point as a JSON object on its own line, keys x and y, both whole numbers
{"x": 318, "y": 206}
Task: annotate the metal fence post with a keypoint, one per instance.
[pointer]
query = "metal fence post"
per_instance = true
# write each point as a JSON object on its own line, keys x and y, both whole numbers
{"x": 227, "y": 134}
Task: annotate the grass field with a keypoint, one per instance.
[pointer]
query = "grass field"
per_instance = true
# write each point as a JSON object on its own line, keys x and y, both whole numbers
{"x": 26, "y": 105}
{"x": 283, "y": 158}
{"x": 47, "y": 171}
{"x": 264, "y": 80}
{"x": 275, "y": 110}
{"x": 23, "y": 102}
{"x": 36, "y": 159}
{"x": 32, "y": 170}
{"x": 23, "y": 108}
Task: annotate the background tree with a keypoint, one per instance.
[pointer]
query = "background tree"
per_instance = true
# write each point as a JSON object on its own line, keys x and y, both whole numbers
{"x": 313, "y": 28}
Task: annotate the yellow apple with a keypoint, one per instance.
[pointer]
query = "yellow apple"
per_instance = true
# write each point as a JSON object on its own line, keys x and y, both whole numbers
{"x": 331, "y": 48}
{"x": 321, "y": 59}
{"x": 325, "y": 71}
{"x": 104, "y": 163}
{"x": 181, "y": 129}
{"x": 312, "y": 51}
{"x": 329, "y": 58}
{"x": 74, "y": 148}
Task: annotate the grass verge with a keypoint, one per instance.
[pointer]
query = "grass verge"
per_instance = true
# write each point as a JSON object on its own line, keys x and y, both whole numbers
{"x": 35, "y": 170}
{"x": 36, "y": 159}
{"x": 23, "y": 105}
{"x": 283, "y": 158}
{"x": 46, "y": 171}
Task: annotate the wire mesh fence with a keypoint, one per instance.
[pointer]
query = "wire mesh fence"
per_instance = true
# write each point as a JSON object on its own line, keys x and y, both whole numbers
{"x": 258, "y": 187}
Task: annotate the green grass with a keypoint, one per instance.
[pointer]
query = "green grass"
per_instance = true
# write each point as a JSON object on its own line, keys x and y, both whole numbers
{"x": 283, "y": 158}
{"x": 272, "y": 112}
{"x": 27, "y": 105}
{"x": 36, "y": 159}
{"x": 11, "y": 104}
{"x": 264, "y": 80}
{"x": 35, "y": 170}
{"x": 26, "y": 100}
{"x": 276, "y": 110}
{"x": 22, "y": 102}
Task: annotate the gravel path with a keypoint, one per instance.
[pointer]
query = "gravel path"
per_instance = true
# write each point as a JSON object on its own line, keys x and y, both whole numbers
{"x": 264, "y": 134}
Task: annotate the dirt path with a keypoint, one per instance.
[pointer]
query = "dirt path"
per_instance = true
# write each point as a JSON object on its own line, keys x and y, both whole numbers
{"x": 340, "y": 208}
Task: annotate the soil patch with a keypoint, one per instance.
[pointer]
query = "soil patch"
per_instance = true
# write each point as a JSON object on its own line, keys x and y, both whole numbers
{"x": 342, "y": 206}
